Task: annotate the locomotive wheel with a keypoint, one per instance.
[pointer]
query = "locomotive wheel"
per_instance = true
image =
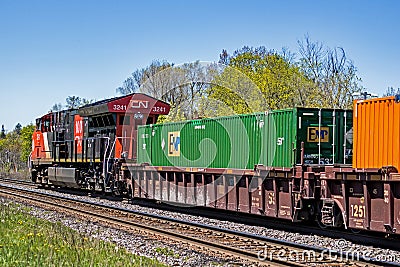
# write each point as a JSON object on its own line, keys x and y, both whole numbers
{"x": 355, "y": 230}
{"x": 319, "y": 223}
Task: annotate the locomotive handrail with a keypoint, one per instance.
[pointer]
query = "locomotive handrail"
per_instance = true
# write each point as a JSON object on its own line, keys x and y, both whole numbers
{"x": 104, "y": 158}
{"x": 105, "y": 167}
{"x": 112, "y": 149}
{"x": 73, "y": 141}
{"x": 30, "y": 161}
{"x": 106, "y": 162}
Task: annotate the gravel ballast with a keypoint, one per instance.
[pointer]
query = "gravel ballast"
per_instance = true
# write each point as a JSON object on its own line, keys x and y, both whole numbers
{"x": 178, "y": 255}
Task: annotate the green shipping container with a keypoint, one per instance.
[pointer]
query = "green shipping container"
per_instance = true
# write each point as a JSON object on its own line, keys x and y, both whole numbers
{"x": 224, "y": 142}
{"x": 242, "y": 141}
{"x": 326, "y": 133}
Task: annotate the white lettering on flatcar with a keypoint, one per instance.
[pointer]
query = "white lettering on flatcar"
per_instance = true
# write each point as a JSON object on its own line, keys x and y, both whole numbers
{"x": 357, "y": 211}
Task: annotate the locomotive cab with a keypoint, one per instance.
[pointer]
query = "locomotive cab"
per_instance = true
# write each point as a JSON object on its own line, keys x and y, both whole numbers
{"x": 49, "y": 143}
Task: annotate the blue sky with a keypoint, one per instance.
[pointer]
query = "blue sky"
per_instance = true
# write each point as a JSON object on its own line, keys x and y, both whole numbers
{"x": 52, "y": 49}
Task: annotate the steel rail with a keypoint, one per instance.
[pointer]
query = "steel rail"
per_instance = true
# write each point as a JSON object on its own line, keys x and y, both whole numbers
{"x": 246, "y": 253}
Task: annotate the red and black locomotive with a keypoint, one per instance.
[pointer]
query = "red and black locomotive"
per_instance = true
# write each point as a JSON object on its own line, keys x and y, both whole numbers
{"x": 83, "y": 148}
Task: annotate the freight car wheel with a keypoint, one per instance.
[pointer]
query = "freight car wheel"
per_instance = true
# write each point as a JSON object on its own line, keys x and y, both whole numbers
{"x": 329, "y": 214}
{"x": 318, "y": 219}
{"x": 320, "y": 224}
{"x": 355, "y": 231}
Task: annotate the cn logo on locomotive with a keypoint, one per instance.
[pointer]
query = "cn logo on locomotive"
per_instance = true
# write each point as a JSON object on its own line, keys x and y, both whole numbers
{"x": 318, "y": 134}
{"x": 139, "y": 103}
{"x": 78, "y": 133}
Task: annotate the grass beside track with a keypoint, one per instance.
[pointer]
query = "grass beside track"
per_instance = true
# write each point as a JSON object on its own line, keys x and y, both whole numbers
{"x": 28, "y": 241}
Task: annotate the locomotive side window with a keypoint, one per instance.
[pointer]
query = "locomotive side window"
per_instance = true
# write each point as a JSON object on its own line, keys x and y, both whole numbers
{"x": 109, "y": 120}
{"x": 124, "y": 120}
{"x": 91, "y": 124}
{"x": 150, "y": 120}
{"x": 46, "y": 126}
{"x": 96, "y": 122}
{"x": 101, "y": 121}
{"x": 38, "y": 122}
{"x": 67, "y": 119}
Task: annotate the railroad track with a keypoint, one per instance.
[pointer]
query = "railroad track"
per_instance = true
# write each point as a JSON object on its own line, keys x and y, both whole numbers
{"x": 16, "y": 181}
{"x": 364, "y": 238}
{"x": 250, "y": 249}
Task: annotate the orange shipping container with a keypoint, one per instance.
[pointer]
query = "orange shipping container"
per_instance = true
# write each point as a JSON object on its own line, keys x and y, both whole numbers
{"x": 376, "y": 133}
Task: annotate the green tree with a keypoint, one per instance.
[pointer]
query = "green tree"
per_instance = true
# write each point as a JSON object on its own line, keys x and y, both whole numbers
{"x": 3, "y": 132}
{"x": 26, "y": 141}
{"x": 18, "y": 128}
{"x": 258, "y": 79}
{"x": 10, "y": 152}
{"x": 15, "y": 149}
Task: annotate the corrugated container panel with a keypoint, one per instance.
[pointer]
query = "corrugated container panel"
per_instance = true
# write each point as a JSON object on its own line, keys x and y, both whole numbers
{"x": 327, "y": 136}
{"x": 377, "y": 133}
{"x": 280, "y": 138}
{"x": 254, "y": 125}
{"x": 225, "y": 142}
{"x": 144, "y": 144}
{"x": 272, "y": 139}
{"x": 345, "y": 137}
{"x": 326, "y": 133}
